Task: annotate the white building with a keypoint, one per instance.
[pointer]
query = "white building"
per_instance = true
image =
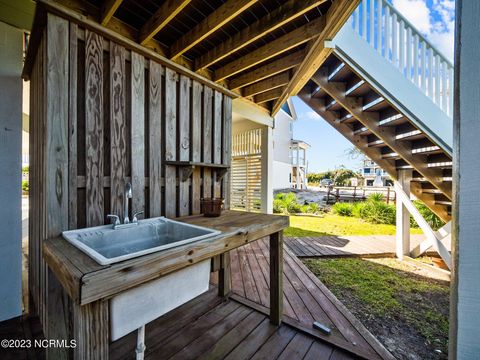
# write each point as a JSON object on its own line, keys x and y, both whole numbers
{"x": 371, "y": 170}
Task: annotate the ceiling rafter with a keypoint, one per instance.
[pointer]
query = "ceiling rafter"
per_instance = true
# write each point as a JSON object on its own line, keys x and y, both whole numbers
{"x": 336, "y": 16}
{"x": 165, "y": 13}
{"x": 265, "y": 71}
{"x": 289, "y": 11}
{"x": 108, "y": 10}
{"x": 267, "y": 84}
{"x": 281, "y": 44}
{"x": 209, "y": 25}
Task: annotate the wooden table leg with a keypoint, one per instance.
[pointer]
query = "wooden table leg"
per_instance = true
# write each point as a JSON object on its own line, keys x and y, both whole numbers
{"x": 276, "y": 277}
{"x": 224, "y": 286}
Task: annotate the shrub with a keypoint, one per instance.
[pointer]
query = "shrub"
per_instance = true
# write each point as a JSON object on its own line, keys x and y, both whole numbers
{"x": 378, "y": 212}
{"x": 25, "y": 169}
{"x": 433, "y": 220}
{"x": 357, "y": 209}
{"x": 375, "y": 197}
{"x": 286, "y": 203}
{"x": 314, "y": 208}
{"x": 342, "y": 209}
{"x": 25, "y": 185}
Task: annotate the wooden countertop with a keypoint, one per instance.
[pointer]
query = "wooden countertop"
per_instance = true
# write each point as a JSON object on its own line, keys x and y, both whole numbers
{"x": 85, "y": 280}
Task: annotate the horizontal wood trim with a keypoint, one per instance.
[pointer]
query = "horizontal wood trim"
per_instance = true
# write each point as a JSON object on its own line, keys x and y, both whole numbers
{"x": 277, "y": 18}
{"x": 165, "y": 13}
{"x": 273, "y": 68}
{"x": 272, "y": 49}
{"x": 208, "y": 26}
{"x": 267, "y": 84}
{"x": 60, "y": 10}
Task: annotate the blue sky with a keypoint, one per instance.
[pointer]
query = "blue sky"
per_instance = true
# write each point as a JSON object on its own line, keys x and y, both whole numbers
{"x": 435, "y": 20}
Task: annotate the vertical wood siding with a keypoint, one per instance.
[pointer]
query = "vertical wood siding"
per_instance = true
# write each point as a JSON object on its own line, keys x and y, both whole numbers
{"x": 102, "y": 115}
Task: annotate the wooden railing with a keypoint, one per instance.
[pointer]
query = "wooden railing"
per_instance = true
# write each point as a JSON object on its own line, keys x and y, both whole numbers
{"x": 247, "y": 143}
{"x": 399, "y": 42}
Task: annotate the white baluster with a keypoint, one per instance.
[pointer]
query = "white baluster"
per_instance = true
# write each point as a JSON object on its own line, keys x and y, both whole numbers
{"x": 371, "y": 17}
{"x": 394, "y": 39}
{"x": 357, "y": 21}
{"x": 437, "y": 80}
{"x": 401, "y": 30}
{"x": 415, "y": 60}
{"x": 424, "y": 66}
{"x": 387, "y": 33}
{"x": 430, "y": 73}
{"x": 379, "y": 26}
{"x": 409, "y": 53}
{"x": 444, "y": 87}
{"x": 364, "y": 19}
{"x": 450, "y": 90}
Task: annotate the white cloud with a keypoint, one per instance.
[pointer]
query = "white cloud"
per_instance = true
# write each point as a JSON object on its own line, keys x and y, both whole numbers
{"x": 436, "y": 23}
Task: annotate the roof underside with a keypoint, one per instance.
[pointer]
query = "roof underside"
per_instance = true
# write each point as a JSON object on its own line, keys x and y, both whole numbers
{"x": 261, "y": 49}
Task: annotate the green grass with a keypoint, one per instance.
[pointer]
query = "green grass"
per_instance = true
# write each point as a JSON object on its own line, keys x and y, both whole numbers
{"x": 332, "y": 224}
{"x": 386, "y": 290}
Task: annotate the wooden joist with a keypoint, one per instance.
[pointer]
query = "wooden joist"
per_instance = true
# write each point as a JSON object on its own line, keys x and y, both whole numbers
{"x": 370, "y": 120}
{"x": 284, "y": 43}
{"x": 268, "y": 95}
{"x": 292, "y": 9}
{"x": 267, "y": 70}
{"x": 318, "y": 105}
{"x": 209, "y": 25}
{"x": 267, "y": 84}
{"x": 108, "y": 10}
{"x": 165, "y": 13}
{"x": 336, "y": 17}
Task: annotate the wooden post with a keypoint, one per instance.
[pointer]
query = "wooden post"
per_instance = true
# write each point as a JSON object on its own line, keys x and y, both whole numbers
{"x": 276, "y": 277}
{"x": 403, "y": 216}
{"x": 267, "y": 170}
{"x": 465, "y": 292}
{"x": 224, "y": 286}
{"x": 388, "y": 195}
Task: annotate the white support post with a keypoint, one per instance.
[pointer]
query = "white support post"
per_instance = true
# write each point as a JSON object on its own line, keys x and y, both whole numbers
{"x": 267, "y": 170}
{"x": 432, "y": 236}
{"x": 465, "y": 291}
{"x": 403, "y": 216}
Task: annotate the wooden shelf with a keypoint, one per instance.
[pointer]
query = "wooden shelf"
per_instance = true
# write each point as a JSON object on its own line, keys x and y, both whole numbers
{"x": 187, "y": 167}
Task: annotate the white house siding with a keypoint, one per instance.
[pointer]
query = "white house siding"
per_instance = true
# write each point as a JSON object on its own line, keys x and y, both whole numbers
{"x": 281, "y": 175}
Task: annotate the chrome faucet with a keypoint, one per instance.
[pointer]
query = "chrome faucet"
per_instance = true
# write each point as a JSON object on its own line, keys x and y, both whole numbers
{"x": 127, "y": 195}
{"x": 126, "y": 220}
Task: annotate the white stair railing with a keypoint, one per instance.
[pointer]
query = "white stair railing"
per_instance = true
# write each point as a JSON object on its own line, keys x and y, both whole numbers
{"x": 399, "y": 42}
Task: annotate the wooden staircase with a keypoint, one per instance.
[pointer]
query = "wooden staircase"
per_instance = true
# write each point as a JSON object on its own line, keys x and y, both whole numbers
{"x": 360, "y": 112}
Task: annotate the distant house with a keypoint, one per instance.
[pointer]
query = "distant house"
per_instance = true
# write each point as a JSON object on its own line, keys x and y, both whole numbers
{"x": 289, "y": 155}
{"x": 371, "y": 170}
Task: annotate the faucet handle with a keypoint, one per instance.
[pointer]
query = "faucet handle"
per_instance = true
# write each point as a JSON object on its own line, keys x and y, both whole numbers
{"x": 115, "y": 217}
{"x": 135, "y": 219}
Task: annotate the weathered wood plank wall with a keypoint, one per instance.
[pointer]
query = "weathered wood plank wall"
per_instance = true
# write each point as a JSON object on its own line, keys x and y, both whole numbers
{"x": 105, "y": 115}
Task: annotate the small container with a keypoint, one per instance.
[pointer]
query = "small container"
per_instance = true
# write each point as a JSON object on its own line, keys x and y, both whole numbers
{"x": 211, "y": 207}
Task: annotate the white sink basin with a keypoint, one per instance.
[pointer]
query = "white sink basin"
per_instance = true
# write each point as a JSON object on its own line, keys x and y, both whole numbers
{"x": 107, "y": 245}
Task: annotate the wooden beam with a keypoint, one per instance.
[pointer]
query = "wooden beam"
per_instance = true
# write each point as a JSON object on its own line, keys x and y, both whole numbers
{"x": 267, "y": 84}
{"x": 268, "y": 95}
{"x": 165, "y": 13}
{"x": 267, "y": 70}
{"x": 284, "y": 43}
{"x": 108, "y": 10}
{"x": 336, "y": 16}
{"x": 292, "y": 9}
{"x": 370, "y": 120}
{"x": 276, "y": 278}
{"x": 208, "y": 26}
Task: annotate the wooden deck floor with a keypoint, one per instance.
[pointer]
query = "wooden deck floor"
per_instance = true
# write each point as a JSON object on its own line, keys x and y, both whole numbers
{"x": 209, "y": 327}
{"x": 306, "y": 299}
{"x": 332, "y": 246}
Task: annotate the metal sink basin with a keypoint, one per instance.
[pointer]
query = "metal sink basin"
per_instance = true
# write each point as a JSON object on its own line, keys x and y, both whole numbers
{"x": 107, "y": 245}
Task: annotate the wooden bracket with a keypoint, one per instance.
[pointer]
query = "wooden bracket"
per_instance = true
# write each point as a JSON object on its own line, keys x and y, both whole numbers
{"x": 186, "y": 171}
{"x": 221, "y": 173}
